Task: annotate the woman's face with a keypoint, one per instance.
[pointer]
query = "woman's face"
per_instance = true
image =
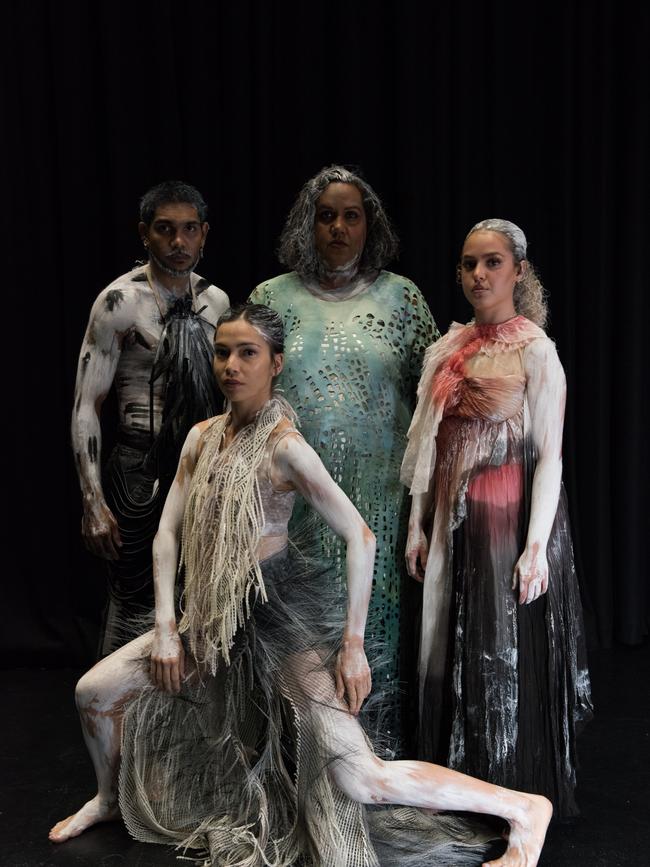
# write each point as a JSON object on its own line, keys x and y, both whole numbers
{"x": 340, "y": 226}
{"x": 488, "y": 275}
{"x": 243, "y": 363}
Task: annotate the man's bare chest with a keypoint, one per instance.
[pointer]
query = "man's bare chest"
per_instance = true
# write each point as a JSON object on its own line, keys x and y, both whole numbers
{"x": 140, "y": 341}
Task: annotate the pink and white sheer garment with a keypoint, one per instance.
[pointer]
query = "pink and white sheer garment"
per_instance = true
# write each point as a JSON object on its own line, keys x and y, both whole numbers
{"x": 502, "y": 686}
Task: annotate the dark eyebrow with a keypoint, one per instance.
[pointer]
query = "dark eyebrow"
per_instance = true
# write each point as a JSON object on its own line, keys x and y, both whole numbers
{"x": 169, "y": 222}
{"x": 344, "y": 207}
{"x": 237, "y": 345}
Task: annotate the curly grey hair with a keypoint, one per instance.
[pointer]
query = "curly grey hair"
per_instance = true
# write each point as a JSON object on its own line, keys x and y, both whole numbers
{"x": 297, "y": 248}
{"x": 529, "y": 296}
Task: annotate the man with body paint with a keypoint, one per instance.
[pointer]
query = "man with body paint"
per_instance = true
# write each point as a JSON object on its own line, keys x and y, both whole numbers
{"x": 150, "y": 334}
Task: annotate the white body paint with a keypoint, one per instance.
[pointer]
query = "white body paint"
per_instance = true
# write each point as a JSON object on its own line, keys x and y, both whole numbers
{"x": 361, "y": 775}
{"x": 119, "y": 348}
{"x": 546, "y": 396}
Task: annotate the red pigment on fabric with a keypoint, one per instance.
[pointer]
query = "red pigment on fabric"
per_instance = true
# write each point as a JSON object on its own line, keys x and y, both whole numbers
{"x": 451, "y": 372}
{"x": 448, "y": 378}
{"x": 498, "y": 486}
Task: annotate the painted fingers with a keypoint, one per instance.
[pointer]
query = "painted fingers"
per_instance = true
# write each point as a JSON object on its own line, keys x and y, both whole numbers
{"x": 531, "y": 577}
{"x": 167, "y": 666}
{"x": 100, "y": 533}
{"x": 353, "y": 679}
{"x": 417, "y": 552}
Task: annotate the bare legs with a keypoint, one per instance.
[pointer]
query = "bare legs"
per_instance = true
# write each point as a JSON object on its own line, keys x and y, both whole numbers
{"x": 364, "y": 777}
{"x": 100, "y": 696}
{"x": 420, "y": 784}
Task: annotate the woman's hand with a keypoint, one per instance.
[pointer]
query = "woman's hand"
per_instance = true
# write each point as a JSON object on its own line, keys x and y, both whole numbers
{"x": 417, "y": 552}
{"x": 352, "y": 674}
{"x": 167, "y": 658}
{"x": 531, "y": 575}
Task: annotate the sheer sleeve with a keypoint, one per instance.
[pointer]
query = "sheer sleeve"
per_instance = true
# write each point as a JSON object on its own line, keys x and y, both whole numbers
{"x": 546, "y": 395}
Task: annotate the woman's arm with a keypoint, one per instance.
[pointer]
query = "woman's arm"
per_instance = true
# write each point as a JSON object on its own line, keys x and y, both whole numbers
{"x": 297, "y": 464}
{"x": 167, "y": 655}
{"x": 546, "y": 394}
{"x": 417, "y": 546}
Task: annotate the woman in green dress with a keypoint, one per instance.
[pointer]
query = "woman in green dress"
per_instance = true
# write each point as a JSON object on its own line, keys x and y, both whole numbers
{"x": 355, "y": 340}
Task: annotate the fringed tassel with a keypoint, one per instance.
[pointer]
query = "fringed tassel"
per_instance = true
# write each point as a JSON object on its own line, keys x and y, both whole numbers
{"x": 222, "y": 526}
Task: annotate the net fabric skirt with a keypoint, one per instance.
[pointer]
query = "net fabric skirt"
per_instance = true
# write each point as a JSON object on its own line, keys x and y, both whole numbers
{"x": 235, "y": 769}
{"x": 515, "y": 688}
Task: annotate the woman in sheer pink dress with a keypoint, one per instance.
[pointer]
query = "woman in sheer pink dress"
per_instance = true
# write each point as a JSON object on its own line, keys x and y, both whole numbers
{"x": 503, "y": 676}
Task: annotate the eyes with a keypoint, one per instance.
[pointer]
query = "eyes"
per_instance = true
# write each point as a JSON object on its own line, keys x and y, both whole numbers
{"x": 223, "y": 353}
{"x": 170, "y": 229}
{"x": 492, "y": 262}
{"x": 328, "y": 215}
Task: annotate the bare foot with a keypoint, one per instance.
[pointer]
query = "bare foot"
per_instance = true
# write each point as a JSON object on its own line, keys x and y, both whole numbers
{"x": 91, "y": 813}
{"x": 526, "y": 836}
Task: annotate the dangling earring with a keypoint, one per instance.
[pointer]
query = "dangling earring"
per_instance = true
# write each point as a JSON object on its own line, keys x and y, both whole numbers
{"x": 145, "y": 243}
{"x": 459, "y": 279}
{"x": 201, "y": 253}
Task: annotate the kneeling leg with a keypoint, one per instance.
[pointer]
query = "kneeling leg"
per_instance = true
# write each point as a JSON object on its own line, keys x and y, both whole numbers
{"x": 100, "y": 696}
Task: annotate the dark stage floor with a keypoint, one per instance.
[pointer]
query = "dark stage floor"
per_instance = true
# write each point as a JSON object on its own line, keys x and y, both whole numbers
{"x": 46, "y": 775}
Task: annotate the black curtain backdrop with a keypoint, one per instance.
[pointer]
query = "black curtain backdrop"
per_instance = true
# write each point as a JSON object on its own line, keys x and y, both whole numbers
{"x": 454, "y": 111}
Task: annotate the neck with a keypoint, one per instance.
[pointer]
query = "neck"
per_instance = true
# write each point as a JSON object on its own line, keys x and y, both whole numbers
{"x": 339, "y": 277}
{"x": 177, "y": 286}
{"x": 335, "y": 280}
{"x": 244, "y": 412}
{"x": 494, "y": 317}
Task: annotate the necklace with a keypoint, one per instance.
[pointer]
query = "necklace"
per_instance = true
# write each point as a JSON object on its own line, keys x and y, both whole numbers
{"x": 156, "y": 294}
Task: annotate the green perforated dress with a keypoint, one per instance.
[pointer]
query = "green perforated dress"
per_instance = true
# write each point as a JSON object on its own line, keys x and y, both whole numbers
{"x": 351, "y": 371}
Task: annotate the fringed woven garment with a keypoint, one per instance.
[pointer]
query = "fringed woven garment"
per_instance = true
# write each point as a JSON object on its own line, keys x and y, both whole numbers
{"x": 234, "y": 769}
{"x": 222, "y": 525}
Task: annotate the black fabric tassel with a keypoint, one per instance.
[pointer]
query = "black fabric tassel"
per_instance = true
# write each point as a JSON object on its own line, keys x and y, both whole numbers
{"x": 184, "y": 361}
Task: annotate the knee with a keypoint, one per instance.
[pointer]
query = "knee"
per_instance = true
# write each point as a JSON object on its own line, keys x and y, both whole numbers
{"x": 362, "y": 781}
{"x": 87, "y": 690}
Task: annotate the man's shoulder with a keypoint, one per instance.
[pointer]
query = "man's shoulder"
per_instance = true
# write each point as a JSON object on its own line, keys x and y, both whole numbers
{"x": 129, "y": 285}
{"x": 134, "y": 279}
{"x": 117, "y": 304}
{"x": 210, "y": 296}
{"x": 203, "y": 287}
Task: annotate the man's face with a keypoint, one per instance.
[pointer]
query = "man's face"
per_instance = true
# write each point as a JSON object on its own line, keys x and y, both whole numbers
{"x": 175, "y": 238}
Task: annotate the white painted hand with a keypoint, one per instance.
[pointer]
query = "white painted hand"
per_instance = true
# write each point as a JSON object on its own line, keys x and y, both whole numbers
{"x": 531, "y": 575}
{"x": 167, "y": 658}
{"x": 353, "y": 680}
{"x": 417, "y": 552}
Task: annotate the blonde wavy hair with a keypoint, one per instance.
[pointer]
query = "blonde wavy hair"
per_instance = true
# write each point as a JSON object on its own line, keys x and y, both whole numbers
{"x": 529, "y": 296}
